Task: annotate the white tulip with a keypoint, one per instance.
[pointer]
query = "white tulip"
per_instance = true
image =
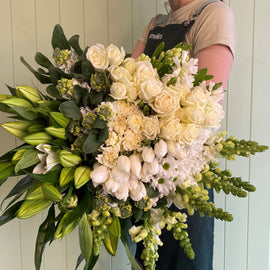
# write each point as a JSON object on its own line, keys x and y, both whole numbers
{"x": 148, "y": 154}
{"x": 135, "y": 165}
{"x": 99, "y": 175}
{"x": 122, "y": 192}
{"x": 123, "y": 164}
{"x": 111, "y": 186}
{"x": 160, "y": 149}
{"x": 139, "y": 192}
{"x": 153, "y": 167}
{"x": 118, "y": 176}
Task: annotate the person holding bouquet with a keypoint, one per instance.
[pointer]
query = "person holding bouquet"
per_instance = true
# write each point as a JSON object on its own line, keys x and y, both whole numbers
{"x": 208, "y": 26}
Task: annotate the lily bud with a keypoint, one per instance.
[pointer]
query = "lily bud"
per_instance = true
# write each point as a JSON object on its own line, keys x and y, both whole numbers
{"x": 30, "y": 208}
{"x": 37, "y": 138}
{"x": 51, "y": 192}
{"x": 56, "y": 132}
{"x": 17, "y": 102}
{"x": 29, "y": 93}
{"x": 66, "y": 176}
{"x": 60, "y": 119}
{"x": 81, "y": 176}
{"x": 67, "y": 159}
{"x": 36, "y": 127}
{"x": 72, "y": 202}
{"x": 35, "y": 194}
{"x": 17, "y": 128}
{"x": 4, "y": 97}
{"x": 6, "y": 169}
{"x": 18, "y": 155}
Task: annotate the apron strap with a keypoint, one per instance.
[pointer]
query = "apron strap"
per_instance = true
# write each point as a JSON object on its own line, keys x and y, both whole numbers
{"x": 200, "y": 9}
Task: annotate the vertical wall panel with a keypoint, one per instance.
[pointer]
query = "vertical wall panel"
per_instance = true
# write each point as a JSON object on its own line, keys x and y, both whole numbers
{"x": 259, "y": 217}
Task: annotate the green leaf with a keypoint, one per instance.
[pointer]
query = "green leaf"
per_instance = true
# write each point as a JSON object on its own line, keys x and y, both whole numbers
{"x": 159, "y": 49}
{"x": 126, "y": 224}
{"x": 41, "y": 77}
{"x": 103, "y": 135}
{"x": 52, "y": 91}
{"x": 96, "y": 97}
{"x": 6, "y": 169}
{"x": 54, "y": 75}
{"x": 91, "y": 144}
{"x": 28, "y": 159}
{"x": 59, "y": 39}
{"x": 25, "y": 113}
{"x": 10, "y": 213}
{"x": 45, "y": 234}
{"x": 87, "y": 69}
{"x": 21, "y": 187}
{"x": 201, "y": 76}
{"x": 81, "y": 95}
{"x": 12, "y": 90}
{"x": 151, "y": 192}
{"x": 99, "y": 123}
{"x": 92, "y": 262}
{"x": 115, "y": 228}
{"x": 70, "y": 110}
{"x": 42, "y": 60}
{"x": 52, "y": 176}
{"x": 74, "y": 43}
{"x": 132, "y": 260}
{"x": 85, "y": 238}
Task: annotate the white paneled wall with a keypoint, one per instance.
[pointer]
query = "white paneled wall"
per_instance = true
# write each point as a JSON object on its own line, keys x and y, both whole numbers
{"x": 26, "y": 27}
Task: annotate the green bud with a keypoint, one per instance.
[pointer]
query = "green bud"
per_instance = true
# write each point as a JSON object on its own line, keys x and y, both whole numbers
{"x": 29, "y": 93}
{"x": 56, "y": 132}
{"x": 17, "y": 128}
{"x": 37, "y": 138}
{"x": 6, "y": 169}
{"x": 15, "y": 102}
{"x": 30, "y": 208}
{"x": 51, "y": 192}
{"x": 35, "y": 194}
{"x": 67, "y": 159}
{"x": 66, "y": 176}
{"x": 81, "y": 176}
{"x": 63, "y": 229}
{"x": 18, "y": 155}
{"x": 72, "y": 202}
{"x": 36, "y": 127}
{"x": 60, "y": 119}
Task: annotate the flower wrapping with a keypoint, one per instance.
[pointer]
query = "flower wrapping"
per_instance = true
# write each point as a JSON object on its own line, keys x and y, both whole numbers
{"x": 113, "y": 143}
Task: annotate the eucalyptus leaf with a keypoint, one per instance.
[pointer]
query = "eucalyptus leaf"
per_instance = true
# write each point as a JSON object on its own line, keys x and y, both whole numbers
{"x": 42, "y": 60}
{"x": 45, "y": 234}
{"x": 54, "y": 75}
{"x": 29, "y": 158}
{"x": 87, "y": 69}
{"x": 103, "y": 135}
{"x": 70, "y": 110}
{"x": 74, "y": 43}
{"x": 99, "y": 123}
{"x": 91, "y": 144}
{"x": 59, "y": 39}
{"x": 81, "y": 95}
{"x": 52, "y": 91}
{"x": 42, "y": 78}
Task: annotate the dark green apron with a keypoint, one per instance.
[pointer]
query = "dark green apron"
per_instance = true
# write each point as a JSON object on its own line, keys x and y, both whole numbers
{"x": 200, "y": 229}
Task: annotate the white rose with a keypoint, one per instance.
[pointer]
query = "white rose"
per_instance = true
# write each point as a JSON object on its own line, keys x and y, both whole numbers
{"x": 150, "y": 89}
{"x": 166, "y": 102}
{"x": 148, "y": 154}
{"x": 129, "y": 64}
{"x": 190, "y": 133}
{"x": 132, "y": 91}
{"x": 151, "y": 127}
{"x": 135, "y": 165}
{"x": 214, "y": 114}
{"x": 138, "y": 192}
{"x": 119, "y": 73}
{"x": 99, "y": 175}
{"x": 115, "y": 55}
{"x": 143, "y": 71}
{"x": 192, "y": 114}
{"x": 122, "y": 192}
{"x": 198, "y": 96}
{"x": 118, "y": 90}
{"x": 96, "y": 54}
{"x": 160, "y": 149}
{"x": 123, "y": 164}
{"x": 135, "y": 121}
{"x": 170, "y": 129}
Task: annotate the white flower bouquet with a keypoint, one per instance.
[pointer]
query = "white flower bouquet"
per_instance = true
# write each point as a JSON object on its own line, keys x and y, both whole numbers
{"x": 115, "y": 142}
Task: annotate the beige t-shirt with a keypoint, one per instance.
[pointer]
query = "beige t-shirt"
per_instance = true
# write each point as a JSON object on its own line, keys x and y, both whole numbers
{"x": 214, "y": 25}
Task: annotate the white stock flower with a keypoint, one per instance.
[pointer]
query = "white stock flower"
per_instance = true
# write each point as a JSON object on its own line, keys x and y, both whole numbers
{"x": 118, "y": 90}
{"x": 150, "y": 89}
{"x": 99, "y": 175}
{"x": 47, "y": 160}
{"x": 170, "y": 129}
{"x": 115, "y": 55}
{"x": 148, "y": 154}
{"x": 96, "y": 54}
{"x": 160, "y": 149}
{"x": 151, "y": 127}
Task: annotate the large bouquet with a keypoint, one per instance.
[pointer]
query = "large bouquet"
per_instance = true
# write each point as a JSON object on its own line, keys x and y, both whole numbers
{"x": 114, "y": 143}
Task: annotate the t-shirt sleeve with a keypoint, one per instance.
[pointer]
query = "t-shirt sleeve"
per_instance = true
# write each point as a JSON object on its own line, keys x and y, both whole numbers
{"x": 215, "y": 25}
